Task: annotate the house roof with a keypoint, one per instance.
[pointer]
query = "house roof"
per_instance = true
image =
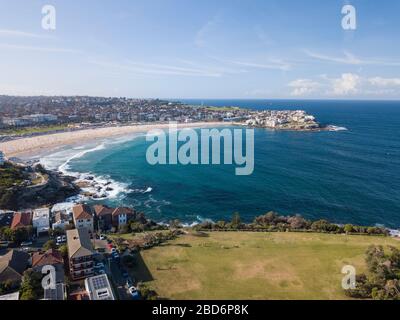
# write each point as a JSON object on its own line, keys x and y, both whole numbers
{"x": 102, "y": 210}
{"x": 79, "y": 244}
{"x": 122, "y": 210}
{"x": 12, "y": 296}
{"x": 50, "y": 257}
{"x": 59, "y": 293}
{"x": 6, "y": 219}
{"x": 99, "y": 288}
{"x": 82, "y": 211}
{"x": 14, "y": 262}
{"x": 21, "y": 219}
{"x": 60, "y": 216}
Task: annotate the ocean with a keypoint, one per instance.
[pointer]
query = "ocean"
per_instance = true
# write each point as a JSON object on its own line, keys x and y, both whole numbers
{"x": 347, "y": 176}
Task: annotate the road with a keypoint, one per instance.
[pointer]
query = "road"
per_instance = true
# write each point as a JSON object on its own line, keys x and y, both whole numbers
{"x": 114, "y": 270}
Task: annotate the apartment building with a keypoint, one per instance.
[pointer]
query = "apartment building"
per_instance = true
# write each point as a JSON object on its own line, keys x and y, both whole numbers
{"x": 80, "y": 253}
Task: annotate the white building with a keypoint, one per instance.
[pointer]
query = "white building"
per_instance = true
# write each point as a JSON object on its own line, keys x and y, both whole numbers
{"x": 11, "y": 297}
{"x": 61, "y": 220}
{"x": 2, "y": 158}
{"x": 99, "y": 288}
{"x": 41, "y": 220}
{"x": 83, "y": 217}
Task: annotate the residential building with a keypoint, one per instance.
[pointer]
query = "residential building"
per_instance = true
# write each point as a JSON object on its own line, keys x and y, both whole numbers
{"x": 41, "y": 220}
{"x": 80, "y": 252}
{"x": 10, "y": 297}
{"x": 6, "y": 218}
{"x": 31, "y": 119}
{"x": 2, "y": 158}
{"x": 83, "y": 217}
{"x": 59, "y": 293}
{"x": 51, "y": 257}
{"x": 21, "y": 219}
{"x": 121, "y": 216}
{"x": 104, "y": 217}
{"x": 61, "y": 220}
{"x": 79, "y": 295}
{"x": 99, "y": 288}
{"x": 12, "y": 266}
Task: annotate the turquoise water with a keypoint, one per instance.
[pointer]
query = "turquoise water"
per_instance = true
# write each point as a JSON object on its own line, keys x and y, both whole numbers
{"x": 345, "y": 176}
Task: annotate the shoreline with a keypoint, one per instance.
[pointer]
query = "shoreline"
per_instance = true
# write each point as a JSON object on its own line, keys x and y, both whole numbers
{"x": 39, "y": 145}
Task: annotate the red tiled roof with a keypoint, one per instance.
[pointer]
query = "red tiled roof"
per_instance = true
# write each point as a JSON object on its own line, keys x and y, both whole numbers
{"x": 50, "y": 257}
{"x": 21, "y": 219}
{"x": 101, "y": 210}
{"x": 122, "y": 210}
{"x": 82, "y": 211}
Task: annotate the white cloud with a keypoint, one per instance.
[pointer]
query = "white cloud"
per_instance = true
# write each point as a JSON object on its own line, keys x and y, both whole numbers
{"x": 347, "y": 84}
{"x": 37, "y": 48}
{"x": 274, "y": 64}
{"x": 348, "y": 58}
{"x": 23, "y": 34}
{"x": 157, "y": 69}
{"x": 384, "y": 82}
{"x": 303, "y": 87}
{"x": 200, "y": 39}
{"x": 351, "y": 59}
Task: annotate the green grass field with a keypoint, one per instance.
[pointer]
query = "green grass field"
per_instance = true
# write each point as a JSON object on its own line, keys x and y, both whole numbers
{"x": 254, "y": 265}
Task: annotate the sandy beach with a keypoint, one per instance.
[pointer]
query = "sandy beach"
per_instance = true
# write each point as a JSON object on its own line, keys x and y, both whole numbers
{"x": 38, "y": 145}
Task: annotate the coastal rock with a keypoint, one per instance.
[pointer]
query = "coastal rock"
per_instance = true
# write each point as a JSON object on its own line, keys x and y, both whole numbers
{"x": 56, "y": 188}
{"x": 82, "y": 184}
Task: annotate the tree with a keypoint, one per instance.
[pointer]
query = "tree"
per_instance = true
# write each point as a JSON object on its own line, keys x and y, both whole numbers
{"x": 7, "y": 286}
{"x": 236, "y": 221}
{"x": 147, "y": 293}
{"x": 64, "y": 250}
{"x": 17, "y": 235}
{"x": 348, "y": 228}
{"x": 375, "y": 256}
{"x": 31, "y": 287}
{"x": 28, "y": 294}
{"x": 297, "y": 222}
{"x": 175, "y": 224}
{"x": 220, "y": 225}
{"x": 51, "y": 244}
{"x": 137, "y": 227}
{"x": 383, "y": 281}
{"x": 324, "y": 226}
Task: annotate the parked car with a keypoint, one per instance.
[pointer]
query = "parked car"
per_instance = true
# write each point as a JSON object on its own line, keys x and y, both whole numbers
{"x": 100, "y": 265}
{"x": 134, "y": 293}
{"x": 61, "y": 239}
{"x": 26, "y": 244}
{"x": 115, "y": 255}
{"x": 103, "y": 237}
{"x": 114, "y": 250}
{"x": 129, "y": 282}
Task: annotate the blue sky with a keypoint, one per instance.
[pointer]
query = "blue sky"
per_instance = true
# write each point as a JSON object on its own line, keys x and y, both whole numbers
{"x": 201, "y": 49}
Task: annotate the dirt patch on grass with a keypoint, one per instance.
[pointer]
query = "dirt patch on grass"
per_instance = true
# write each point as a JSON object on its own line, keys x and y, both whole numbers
{"x": 274, "y": 273}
